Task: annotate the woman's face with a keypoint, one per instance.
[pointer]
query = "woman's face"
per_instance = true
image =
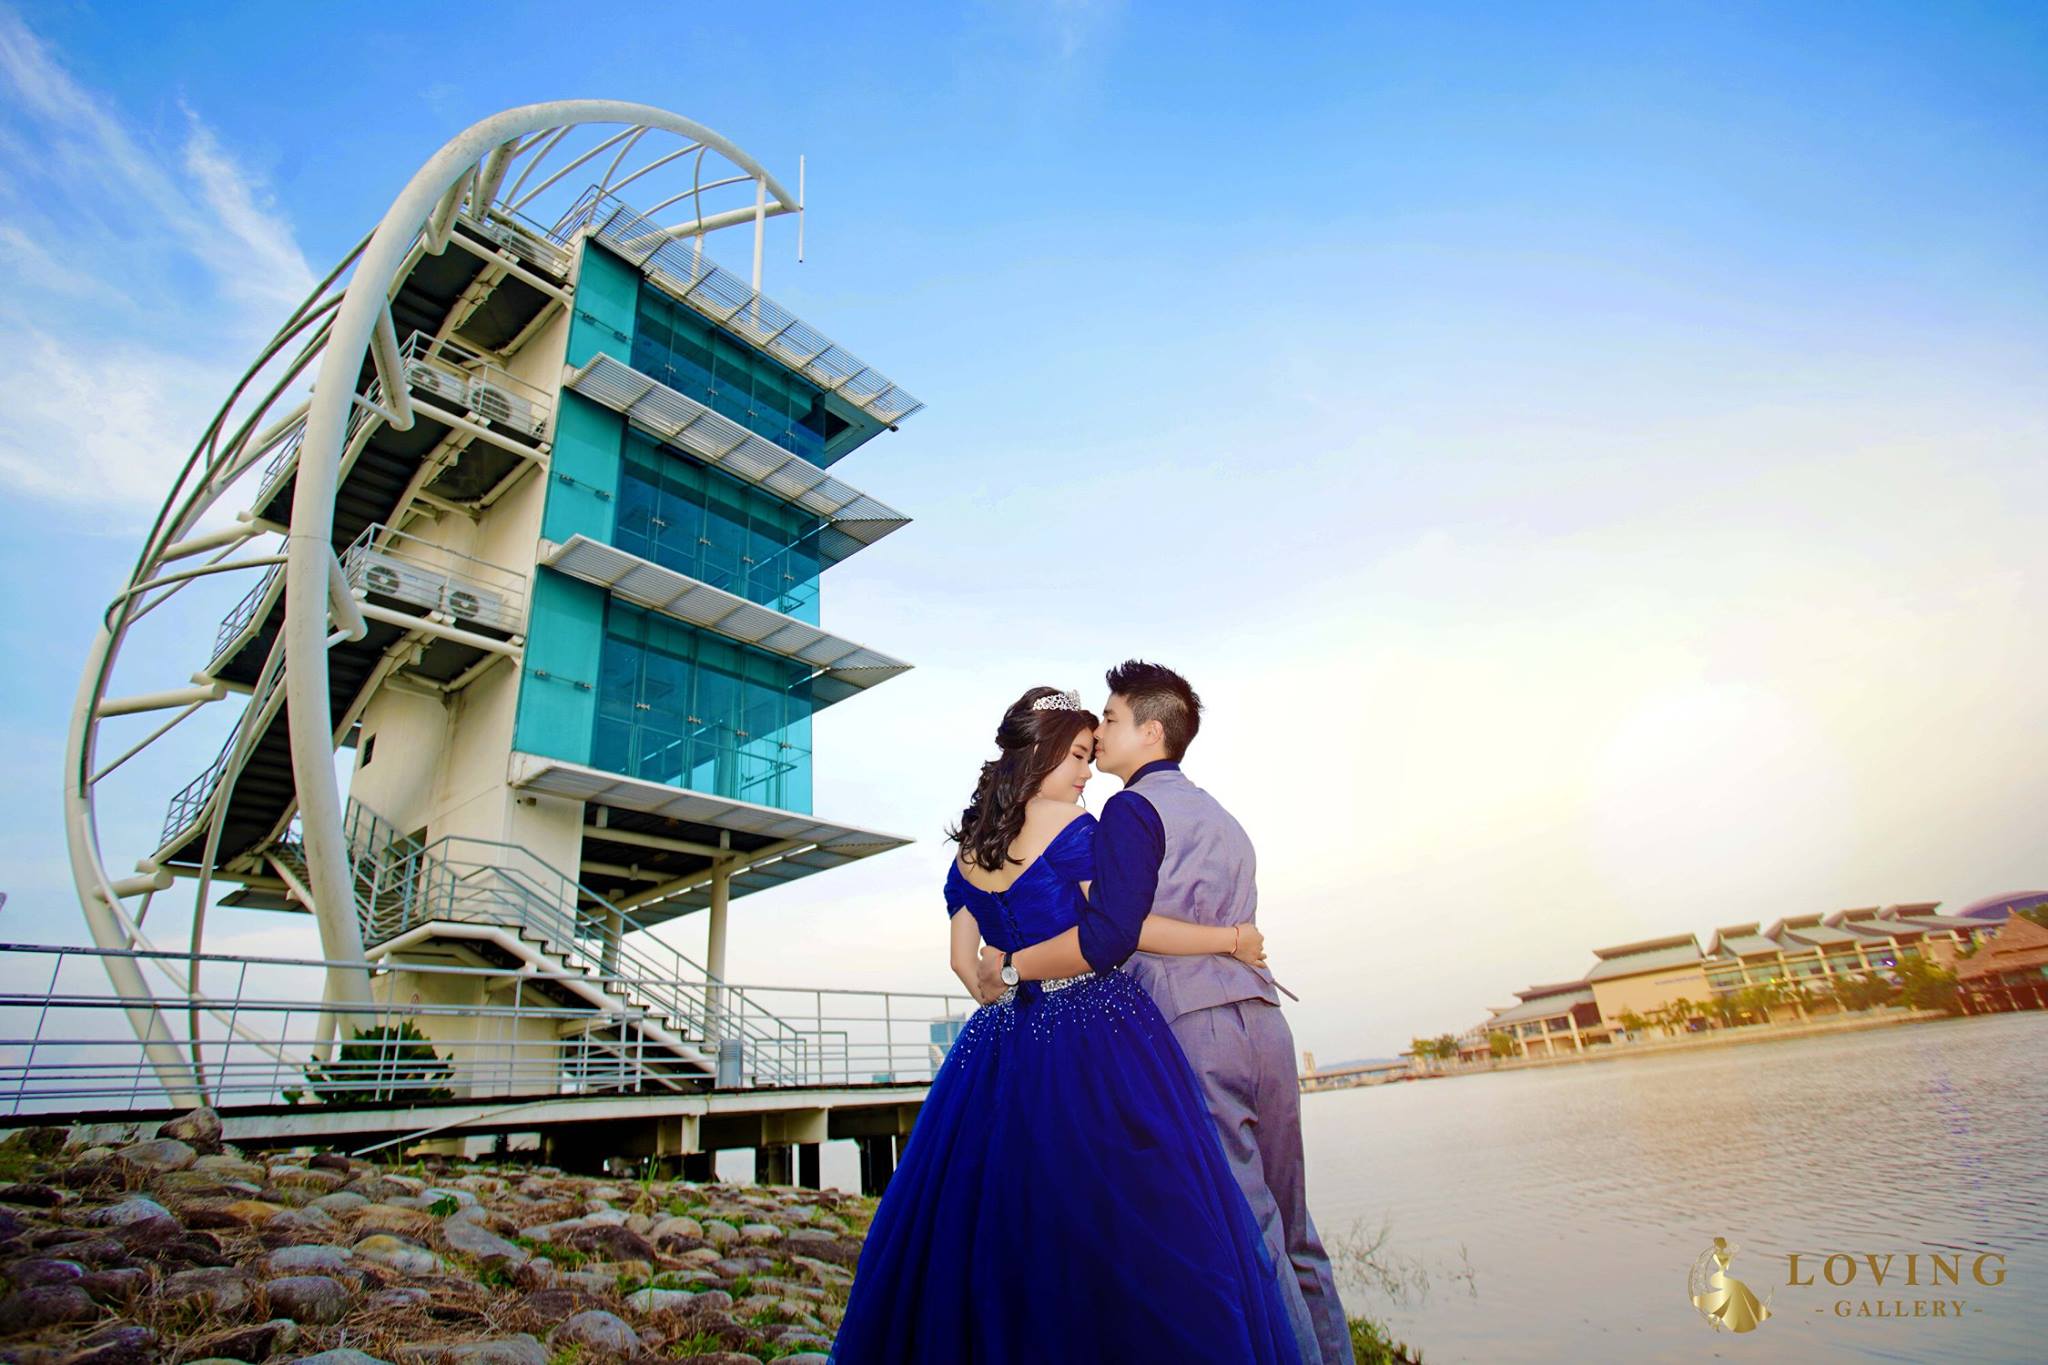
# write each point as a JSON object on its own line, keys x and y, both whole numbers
{"x": 1065, "y": 782}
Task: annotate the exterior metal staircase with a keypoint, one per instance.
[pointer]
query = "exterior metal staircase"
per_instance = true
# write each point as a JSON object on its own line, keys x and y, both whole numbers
{"x": 410, "y": 892}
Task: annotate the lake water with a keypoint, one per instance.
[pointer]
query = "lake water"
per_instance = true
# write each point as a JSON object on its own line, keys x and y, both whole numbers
{"x": 1554, "y": 1214}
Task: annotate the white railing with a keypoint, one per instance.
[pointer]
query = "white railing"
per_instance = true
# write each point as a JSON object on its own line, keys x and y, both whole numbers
{"x": 266, "y": 1037}
{"x": 448, "y": 375}
{"x": 411, "y": 569}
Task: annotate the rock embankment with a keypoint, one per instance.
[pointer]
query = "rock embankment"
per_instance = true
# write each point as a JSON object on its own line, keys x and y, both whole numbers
{"x": 176, "y": 1248}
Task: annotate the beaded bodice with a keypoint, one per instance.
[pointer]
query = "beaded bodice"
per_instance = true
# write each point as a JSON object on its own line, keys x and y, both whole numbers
{"x": 1045, "y": 898}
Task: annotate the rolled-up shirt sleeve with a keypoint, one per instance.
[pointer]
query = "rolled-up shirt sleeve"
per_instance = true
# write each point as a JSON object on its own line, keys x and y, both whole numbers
{"x": 1130, "y": 842}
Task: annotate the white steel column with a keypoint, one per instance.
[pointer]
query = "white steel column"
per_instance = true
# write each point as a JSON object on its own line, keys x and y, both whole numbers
{"x": 363, "y": 310}
{"x": 714, "y": 949}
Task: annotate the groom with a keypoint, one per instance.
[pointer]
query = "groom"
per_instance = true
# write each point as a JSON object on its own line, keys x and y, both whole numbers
{"x": 1166, "y": 845}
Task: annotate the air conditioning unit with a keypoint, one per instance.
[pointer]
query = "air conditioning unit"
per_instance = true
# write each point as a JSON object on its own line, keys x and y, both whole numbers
{"x": 478, "y": 606}
{"x": 385, "y": 576}
{"x": 432, "y": 379}
{"x": 494, "y": 404}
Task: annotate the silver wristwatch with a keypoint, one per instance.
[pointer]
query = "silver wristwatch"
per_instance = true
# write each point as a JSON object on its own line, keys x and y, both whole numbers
{"x": 1009, "y": 971}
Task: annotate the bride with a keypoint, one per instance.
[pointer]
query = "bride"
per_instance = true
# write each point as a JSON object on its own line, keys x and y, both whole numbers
{"x": 1064, "y": 1194}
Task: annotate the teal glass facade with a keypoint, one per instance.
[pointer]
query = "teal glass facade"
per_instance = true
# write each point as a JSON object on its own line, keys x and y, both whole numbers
{"x": 622, "y": 688}
{"x": 694, "y": 519}
{"x": 682, "y": 348}
{"x": 688, "y": 708}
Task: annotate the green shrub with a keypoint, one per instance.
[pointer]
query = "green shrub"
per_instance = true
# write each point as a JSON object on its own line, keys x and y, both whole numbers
{"x": 378, "y": 1066}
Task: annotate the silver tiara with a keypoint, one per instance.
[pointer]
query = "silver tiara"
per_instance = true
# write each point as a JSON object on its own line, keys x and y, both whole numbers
{"x": 1069, "y": 700}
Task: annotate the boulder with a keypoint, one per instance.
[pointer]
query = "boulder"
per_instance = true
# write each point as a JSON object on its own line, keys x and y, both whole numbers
{"x": 41, "y": 1270}
{"x": 220, "y": 1289}
{"x": 46, "y": 1305}
{"x": 467, "y": 1238}
{"x": 311, "y": 1258}
{"x": 255, "y": 1342}
{"x": 596, "y": 1330}
{"x": 121, "y": 1343}
{"x": 514, "y": 1350}
{"x": 395, "y": 1253}
{"x": 227, "y": 1167}
{"x": 610, "y": 1241}
{"x": 135, "y": 1209}
{"x": 314, "y": 1300}
{"x": 119, "y": 1286}
{"x": 158, "y": 1154}
{"x": 199, "y": 1130}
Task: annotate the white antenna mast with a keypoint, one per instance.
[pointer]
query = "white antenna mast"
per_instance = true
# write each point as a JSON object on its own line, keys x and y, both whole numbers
{"x": 799, "y": 208}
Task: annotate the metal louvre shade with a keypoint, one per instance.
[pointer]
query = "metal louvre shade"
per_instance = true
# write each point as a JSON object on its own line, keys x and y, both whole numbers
{"x": 851, "y": 665}
{"x": 856, "y": 519}
{"x": 830, "y": 844}
{"x": 684, "y": 272}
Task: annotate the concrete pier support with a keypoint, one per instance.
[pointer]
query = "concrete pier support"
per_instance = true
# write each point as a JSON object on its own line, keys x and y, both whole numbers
{"x": 877, "y": 1163}
{"x": 774, "y": 1165}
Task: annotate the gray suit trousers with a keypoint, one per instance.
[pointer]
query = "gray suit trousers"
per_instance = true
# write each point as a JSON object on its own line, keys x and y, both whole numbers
{"x": 1244, "y": 1053}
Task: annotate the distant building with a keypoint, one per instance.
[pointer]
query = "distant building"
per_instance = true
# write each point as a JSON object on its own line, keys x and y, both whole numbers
{"x": 1999, "y": 907}
{"x": 2010, "y": 972}
{"x": 1807, "y": 952}
{"x": 1548, "y": 1021}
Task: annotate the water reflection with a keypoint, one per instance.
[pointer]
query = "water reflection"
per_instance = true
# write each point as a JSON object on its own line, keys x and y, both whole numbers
{"x": 1556, "y": 1212}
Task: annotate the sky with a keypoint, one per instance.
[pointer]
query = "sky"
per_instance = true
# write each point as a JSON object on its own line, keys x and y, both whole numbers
{"x": 1588, "y": 458}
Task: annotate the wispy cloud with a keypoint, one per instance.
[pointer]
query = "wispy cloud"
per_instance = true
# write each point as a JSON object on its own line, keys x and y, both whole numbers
{"x": 135, "y": 283}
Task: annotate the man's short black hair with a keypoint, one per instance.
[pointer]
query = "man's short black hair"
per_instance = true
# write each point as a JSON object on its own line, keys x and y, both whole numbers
{"x": 1156, "y": 692}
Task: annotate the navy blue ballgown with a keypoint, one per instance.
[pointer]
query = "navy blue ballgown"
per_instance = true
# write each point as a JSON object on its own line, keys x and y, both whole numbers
{"x": 1064, "y": 1195}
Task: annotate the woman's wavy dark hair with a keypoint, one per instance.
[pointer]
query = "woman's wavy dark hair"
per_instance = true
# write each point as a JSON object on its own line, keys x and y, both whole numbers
{"x": 1033, "y": 744}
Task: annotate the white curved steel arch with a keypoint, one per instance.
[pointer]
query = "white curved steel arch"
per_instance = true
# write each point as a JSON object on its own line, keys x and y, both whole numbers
{"x": 469, "y": 169}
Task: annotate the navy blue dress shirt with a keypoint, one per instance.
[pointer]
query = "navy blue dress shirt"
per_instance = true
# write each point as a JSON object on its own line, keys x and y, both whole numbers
{"x": 1130, "y": 843}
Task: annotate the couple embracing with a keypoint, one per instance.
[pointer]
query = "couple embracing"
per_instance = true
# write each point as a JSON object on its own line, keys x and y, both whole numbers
{"x": 1108, "y": 1165}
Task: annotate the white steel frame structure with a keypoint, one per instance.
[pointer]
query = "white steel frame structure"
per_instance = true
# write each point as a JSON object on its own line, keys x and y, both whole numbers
{"x": 539, "y": 164}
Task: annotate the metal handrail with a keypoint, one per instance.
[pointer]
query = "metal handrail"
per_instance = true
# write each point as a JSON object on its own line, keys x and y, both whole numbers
{"x": 437, "y": 881}
{"x": 189, "y": 802}
{"x": 470, "y": 373}
{"x": 413, "y": 569}
{"x": 244, "y": 611}
{"x": 60, "y": 1045}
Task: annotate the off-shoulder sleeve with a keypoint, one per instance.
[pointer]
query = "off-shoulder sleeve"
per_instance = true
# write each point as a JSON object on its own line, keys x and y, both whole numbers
{"x": 954, "y": 900}
{"x": 1072, "y": 851}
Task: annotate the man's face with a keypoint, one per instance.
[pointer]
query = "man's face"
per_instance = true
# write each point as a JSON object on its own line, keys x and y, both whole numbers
{"x": 1118, "y": 743}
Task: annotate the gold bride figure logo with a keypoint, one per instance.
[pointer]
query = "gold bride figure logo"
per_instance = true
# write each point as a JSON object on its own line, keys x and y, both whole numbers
{"x": 1724, "y": 1301}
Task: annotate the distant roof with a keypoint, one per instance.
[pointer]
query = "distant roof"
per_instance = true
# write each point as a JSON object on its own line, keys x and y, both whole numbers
{"x": 1944, "y": 921}
{"x": 1870, "y": 930}
{"x": 1555, "y": 988}
{"x": 1820, "y": 935}
{"x": 1739, "y": 940}
{"x": 1791, "y": 922}
{"x": 1647, "y": 945}
{"x": 1844, "y": 916}
{"x": 2019, "y": 945}
{"x": 2000, "y": 906}
{"x": 1544, "y": 1007}
{"x": 1656, "y": 955}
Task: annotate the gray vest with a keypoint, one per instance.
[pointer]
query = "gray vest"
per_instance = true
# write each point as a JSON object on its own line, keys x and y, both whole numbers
{"x": 1207, "y": 875}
